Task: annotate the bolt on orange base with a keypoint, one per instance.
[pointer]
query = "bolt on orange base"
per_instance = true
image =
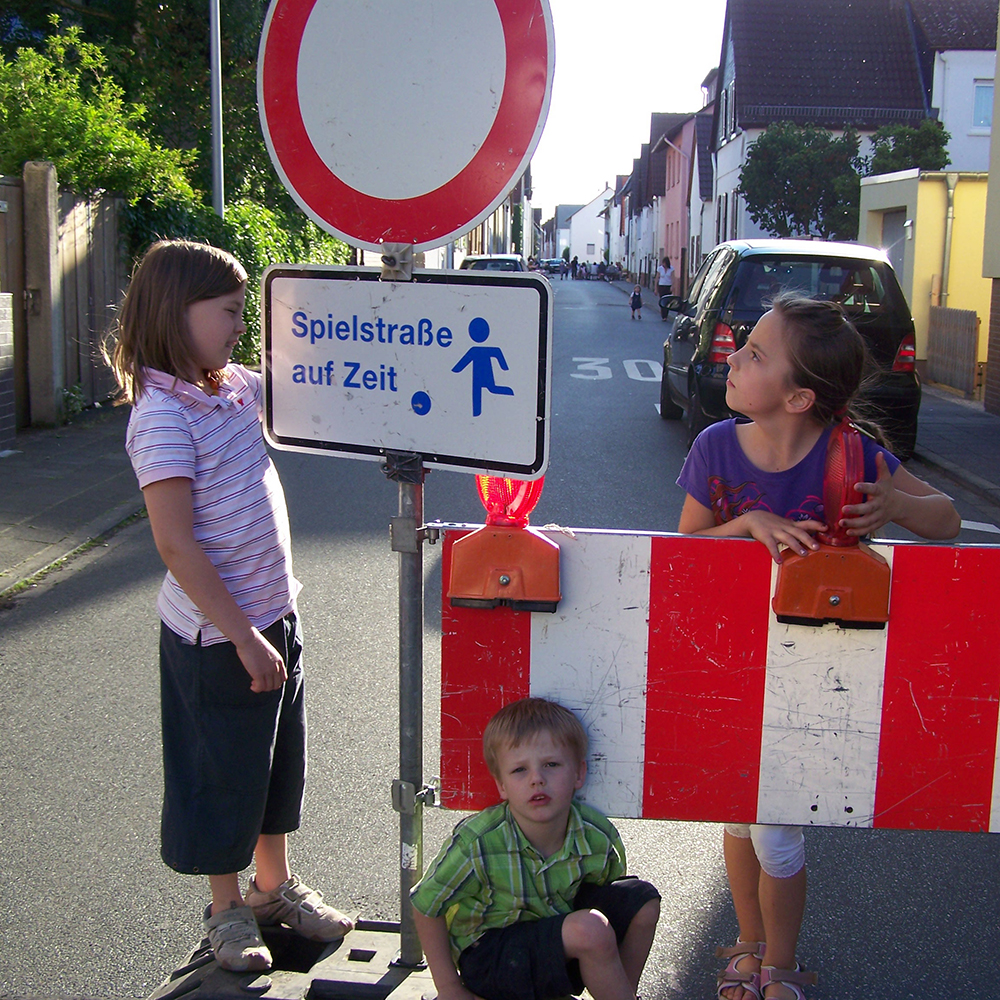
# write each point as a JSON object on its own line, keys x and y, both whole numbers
{"x": 843, "y": 581}
{"x": 505, "y": 562}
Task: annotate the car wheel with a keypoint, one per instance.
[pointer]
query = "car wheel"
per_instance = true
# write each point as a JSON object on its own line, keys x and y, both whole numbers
{"x": 669, "y": 410}
{"x": 697, "y": 420}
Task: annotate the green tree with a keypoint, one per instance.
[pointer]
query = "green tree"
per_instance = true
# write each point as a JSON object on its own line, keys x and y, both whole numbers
{"x": 902, "y": 147}
{"x": 801, "y": 180}
{"x": 159, "y": 55}
{"x": 61, "y": 104}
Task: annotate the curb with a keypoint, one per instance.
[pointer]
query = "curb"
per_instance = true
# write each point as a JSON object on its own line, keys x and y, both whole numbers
{"x": 983, "y": 488}
{"x": 65, "y": 547}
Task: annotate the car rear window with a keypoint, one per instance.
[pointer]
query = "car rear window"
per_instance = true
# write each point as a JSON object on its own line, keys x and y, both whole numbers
{"x": 862, "y": 287}
{"x": 494, "y": 265}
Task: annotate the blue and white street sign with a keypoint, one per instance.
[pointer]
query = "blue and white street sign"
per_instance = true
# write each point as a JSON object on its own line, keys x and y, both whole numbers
{"x": 453, "y": 366}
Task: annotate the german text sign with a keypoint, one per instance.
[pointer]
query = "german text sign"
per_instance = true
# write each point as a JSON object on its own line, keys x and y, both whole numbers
{"x": 452, "y": 366}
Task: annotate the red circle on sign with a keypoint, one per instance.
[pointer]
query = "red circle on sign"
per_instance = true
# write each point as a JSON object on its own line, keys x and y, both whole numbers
{"x": 430, "y": 219}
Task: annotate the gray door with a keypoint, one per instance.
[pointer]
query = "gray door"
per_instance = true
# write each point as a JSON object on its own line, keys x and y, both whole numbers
{"x": 893, "y": 235}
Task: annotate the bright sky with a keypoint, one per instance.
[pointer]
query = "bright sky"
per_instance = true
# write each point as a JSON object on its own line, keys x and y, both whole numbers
{"x": 617, "y": 62}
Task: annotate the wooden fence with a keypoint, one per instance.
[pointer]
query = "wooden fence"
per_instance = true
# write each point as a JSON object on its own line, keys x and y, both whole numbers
{"x": 952, "y": 346}
{"x": 74, "y": 305}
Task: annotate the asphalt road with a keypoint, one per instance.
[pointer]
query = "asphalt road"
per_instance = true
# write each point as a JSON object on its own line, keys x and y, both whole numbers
{"x": 90, "y": 911}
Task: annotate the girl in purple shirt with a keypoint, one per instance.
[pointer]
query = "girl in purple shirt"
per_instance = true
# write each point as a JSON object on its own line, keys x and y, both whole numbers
{"x": 762, "y": 477}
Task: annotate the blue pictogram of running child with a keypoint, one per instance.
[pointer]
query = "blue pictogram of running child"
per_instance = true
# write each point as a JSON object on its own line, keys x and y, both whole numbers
{"x": 481, "y": 360}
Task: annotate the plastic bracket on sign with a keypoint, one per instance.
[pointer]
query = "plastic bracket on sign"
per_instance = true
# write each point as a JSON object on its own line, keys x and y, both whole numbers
{"x": 404, "y": 467}
{"x": 397, "y": 262}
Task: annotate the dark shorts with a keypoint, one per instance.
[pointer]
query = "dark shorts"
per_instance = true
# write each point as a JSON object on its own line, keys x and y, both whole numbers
{"x": 526, "y": 961}
{"x": 234, "y": 762}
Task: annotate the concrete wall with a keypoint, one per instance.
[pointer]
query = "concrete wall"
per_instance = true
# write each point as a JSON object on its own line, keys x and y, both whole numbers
{"x": 955, "y": 75}
{"x": 924, "y": 197}
{"x": 587, "y": 229}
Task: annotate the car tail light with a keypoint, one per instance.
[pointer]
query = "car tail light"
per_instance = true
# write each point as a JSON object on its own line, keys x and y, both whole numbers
{"x": 723, "y": 344}
{"x": 906, "y": 356}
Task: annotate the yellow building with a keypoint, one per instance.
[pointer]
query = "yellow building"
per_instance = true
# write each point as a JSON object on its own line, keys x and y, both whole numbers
{"x": 932, "y": 224}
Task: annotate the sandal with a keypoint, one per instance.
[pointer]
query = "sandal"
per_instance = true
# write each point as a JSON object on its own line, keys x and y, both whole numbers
{"x": 791, "y": 980}
{"x": 731, "y": 975}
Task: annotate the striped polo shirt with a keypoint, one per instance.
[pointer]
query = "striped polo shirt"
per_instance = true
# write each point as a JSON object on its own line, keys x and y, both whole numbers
{"x": 240, "y": 520}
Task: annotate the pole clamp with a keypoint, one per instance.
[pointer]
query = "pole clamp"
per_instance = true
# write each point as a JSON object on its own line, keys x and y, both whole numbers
{"x": 405, "y": 796}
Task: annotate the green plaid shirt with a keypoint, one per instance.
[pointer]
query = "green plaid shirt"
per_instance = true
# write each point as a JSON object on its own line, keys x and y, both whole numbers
{"x": 488, "y": 875}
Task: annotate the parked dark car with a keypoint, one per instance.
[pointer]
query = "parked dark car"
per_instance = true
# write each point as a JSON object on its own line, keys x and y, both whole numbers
{"x": 494, "y": 262}
{"x": 731, "y": 291}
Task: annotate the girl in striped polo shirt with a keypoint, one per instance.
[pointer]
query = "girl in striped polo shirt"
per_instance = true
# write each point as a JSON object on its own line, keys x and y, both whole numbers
{"x": 234, "y": 734}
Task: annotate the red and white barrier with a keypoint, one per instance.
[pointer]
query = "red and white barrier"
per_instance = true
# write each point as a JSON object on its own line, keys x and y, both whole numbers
{"x": 700, "y": 705}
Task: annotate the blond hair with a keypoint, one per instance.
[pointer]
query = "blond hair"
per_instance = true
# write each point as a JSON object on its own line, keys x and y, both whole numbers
{"x": 519, "y": 721}
{"x": 151, "y": 328}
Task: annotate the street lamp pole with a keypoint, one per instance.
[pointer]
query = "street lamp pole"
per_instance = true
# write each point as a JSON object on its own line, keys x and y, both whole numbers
{"x": 215, "y": 57}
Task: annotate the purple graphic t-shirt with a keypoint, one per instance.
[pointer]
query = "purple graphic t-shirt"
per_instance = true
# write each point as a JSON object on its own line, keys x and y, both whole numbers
{"x": 719, "y": 476}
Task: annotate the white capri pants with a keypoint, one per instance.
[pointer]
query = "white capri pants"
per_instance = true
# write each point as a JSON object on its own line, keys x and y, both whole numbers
{"x": 781, "y": 850}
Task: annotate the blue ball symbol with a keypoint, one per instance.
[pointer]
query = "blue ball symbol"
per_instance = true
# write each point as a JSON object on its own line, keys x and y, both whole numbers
{"x": 421, "y": 403}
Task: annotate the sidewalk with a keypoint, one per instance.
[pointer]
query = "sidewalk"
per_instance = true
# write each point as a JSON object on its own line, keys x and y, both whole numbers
{"x": 60, "y": 488}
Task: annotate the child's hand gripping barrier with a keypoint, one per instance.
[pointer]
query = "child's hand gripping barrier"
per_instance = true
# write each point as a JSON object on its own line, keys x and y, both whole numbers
{"x": 843, "y": 581}
{"x": 506, "y": 562}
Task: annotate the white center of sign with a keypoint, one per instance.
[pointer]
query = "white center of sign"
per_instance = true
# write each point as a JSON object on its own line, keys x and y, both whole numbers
{"x": 423, "y": 134}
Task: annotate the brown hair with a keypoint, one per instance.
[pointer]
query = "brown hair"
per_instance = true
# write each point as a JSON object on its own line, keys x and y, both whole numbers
{"x": 828, "y": 356}
{"x": 521, "y": 720}
{"x": 151, "y": 328}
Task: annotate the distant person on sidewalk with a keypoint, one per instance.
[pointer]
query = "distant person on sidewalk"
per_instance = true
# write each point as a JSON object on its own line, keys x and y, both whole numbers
{"x": 232, "y": 709}
{"x": 574, "y": 265}
{"x": 563, "y": 268}
{"x": 664, "y": 278}
{"x": 635, "y": 301}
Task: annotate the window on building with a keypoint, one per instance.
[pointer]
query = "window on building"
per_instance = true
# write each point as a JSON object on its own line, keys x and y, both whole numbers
{"x": 734, "y": 215}
{"x": 982, "y": 104}
{"x": 724, "y": 115}
{"x": 731, "y": 120}
{"x": 590, "y": 249}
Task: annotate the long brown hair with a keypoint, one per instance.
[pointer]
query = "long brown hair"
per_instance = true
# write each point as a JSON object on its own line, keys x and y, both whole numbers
{"x": 828, "y": 356}
{"x": 151, "y": 328}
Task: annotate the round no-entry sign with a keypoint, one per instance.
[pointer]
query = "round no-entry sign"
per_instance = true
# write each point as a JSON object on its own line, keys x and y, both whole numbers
{"x": 395, "y": 122}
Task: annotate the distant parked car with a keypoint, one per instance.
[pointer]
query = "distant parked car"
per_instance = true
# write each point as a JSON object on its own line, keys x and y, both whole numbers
{"x": 550, "y": 265}
{"x": 494, "y": 262}
{"x": 731, "y": 292}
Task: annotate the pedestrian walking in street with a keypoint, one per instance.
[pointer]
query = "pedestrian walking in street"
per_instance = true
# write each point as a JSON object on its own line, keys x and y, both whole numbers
{"x": 635, "y": 302}
{"x": 529, "y": 899}
{"x": 233, "y": 715}
{"x": 574, "y": 266}
{"x": 761, "y": 476}
{"x": 664, "y": 278}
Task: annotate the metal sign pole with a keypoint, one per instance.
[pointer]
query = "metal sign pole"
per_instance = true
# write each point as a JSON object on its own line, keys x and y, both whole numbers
{"x": 408, "y": 791}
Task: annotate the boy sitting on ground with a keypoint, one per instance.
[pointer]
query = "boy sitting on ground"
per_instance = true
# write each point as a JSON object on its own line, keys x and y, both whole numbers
{"x": 528, "y": 900}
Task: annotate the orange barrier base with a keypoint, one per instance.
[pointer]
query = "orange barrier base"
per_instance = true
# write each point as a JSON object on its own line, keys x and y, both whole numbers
{"x": 848, "y": 585}
{"x": 497, "y": 565}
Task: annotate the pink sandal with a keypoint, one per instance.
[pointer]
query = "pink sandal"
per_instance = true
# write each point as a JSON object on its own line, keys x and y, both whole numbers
{"x": 791, "y": 980}
{"x": 731, "y": 975}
